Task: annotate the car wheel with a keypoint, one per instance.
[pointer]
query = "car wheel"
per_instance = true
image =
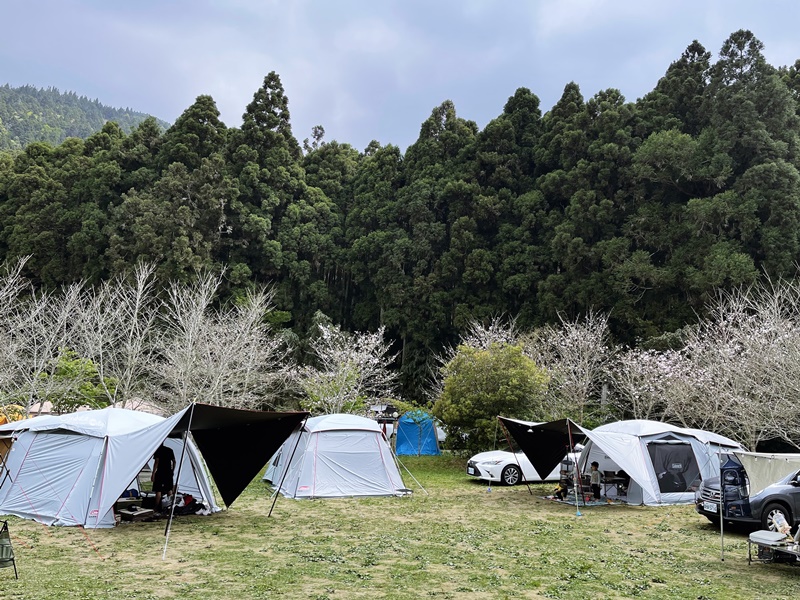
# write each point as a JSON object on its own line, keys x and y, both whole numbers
{"x": 511, "y": 475}
{"x": 769, "y": 512}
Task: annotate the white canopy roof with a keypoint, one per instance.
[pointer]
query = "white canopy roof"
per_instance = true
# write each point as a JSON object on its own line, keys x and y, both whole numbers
{"x": 640, "y": 428}
{"x": 764, "y": 469}
{"x": 94, "y": 423}
{"x": 339, "y": 421}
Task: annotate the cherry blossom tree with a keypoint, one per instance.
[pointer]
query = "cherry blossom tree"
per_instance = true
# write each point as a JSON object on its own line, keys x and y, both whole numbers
{"x": 226, "y": 356}
{"x": 577, "y": 355}
{"x": 36, "y": 332}
{"x": 744, "y": 361}
{"x": 642, "y": 380}
{"x": 114, "y": 327}
{"x": 350, "y": 372}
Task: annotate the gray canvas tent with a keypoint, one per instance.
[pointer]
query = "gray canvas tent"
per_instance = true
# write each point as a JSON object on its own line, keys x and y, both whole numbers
{"x": 665, "y": 462}
{"x": 71, "y": 469}
{"x": 334, "y": 456}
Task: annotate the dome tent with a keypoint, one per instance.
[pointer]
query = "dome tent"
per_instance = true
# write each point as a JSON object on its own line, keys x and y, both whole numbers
{"x": 416, "y": 435}
{"x": 71, "y": 469}
{"x": 665, "y": 462}
{"x": 334, "y": 456}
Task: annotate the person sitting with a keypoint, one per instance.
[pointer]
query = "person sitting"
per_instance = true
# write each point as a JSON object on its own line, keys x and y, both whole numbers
{"x": 562, "y": 489}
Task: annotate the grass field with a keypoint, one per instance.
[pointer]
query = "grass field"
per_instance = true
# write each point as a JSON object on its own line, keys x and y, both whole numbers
{"x": 458, "y": 541}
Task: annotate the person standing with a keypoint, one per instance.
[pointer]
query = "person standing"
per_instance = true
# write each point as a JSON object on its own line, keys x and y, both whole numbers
{"x": 163, "y": 473}
{"x": 594, "y": 480}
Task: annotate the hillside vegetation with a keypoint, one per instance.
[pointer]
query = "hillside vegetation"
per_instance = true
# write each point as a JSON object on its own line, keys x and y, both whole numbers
{"x": 29, "y": 114}
{"x": 640, "y": 210}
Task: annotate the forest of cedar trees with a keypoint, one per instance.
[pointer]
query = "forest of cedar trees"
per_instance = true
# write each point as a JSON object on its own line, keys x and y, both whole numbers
{"x": 638, "y": 210}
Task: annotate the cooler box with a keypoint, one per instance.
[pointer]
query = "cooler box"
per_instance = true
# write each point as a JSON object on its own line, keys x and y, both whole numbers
{"x": 136, "y": 514}
{"x": 769, "y": 538}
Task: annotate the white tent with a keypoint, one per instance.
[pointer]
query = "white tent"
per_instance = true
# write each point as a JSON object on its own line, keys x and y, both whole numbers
{"x": 334, "y": 456}
{"x": 71, "y": 469}
{"x": 665, "y": 463}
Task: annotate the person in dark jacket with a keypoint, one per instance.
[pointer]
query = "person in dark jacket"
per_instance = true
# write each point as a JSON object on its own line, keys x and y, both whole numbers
{"x": 163, "y": 473}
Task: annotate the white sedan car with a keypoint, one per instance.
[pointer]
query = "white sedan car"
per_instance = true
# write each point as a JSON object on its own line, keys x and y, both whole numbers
{"x": 501, "y": 466}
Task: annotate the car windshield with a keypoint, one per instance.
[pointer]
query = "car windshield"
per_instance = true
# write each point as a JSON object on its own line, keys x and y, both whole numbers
{"x": 508, "y": 443}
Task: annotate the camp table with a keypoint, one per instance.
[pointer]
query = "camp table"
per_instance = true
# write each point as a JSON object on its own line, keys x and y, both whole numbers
{"x": 772, "y": 546}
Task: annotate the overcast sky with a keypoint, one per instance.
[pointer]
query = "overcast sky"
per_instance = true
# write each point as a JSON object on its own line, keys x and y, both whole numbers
{"x": 367, "y": 69}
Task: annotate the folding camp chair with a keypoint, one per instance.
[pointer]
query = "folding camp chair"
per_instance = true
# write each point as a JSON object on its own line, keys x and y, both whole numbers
{"x": 6, "y": 550}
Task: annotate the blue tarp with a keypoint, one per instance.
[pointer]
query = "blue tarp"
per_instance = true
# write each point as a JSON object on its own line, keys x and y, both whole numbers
{"x": 416, "y": 435}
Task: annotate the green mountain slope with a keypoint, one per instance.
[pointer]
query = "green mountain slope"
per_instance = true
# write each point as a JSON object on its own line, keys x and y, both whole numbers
{"x": 29, "y": 114}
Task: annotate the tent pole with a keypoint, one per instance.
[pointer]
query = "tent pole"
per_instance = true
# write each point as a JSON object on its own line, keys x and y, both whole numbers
{"x": 168, "y": 528}
{"x": 286, "y": 470}
{"x": 721, "y": 520}
{"x": 575, "y": 475}
{"x": 511, "y": 447}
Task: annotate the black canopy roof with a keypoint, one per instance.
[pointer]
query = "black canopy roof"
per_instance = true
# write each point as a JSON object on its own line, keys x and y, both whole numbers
{"x": 545, "y": 444}
{"x": 236, "y": 443}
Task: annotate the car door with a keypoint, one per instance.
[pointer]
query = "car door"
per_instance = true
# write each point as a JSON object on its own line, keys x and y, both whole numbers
{"x": 792, "y": 490}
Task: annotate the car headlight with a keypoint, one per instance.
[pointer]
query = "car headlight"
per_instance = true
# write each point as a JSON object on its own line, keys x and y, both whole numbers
{"x": 492, "y": 462}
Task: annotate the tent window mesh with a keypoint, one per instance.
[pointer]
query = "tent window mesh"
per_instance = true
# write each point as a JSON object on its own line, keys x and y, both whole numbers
{"x": 675, "y": 466}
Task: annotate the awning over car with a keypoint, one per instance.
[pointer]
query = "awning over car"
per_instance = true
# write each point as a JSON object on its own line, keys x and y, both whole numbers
{"x": 545, "y": 444}
{"x": 765, "y": 469}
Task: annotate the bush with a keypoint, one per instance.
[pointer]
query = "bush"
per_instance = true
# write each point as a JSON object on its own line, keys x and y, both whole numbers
{"x": 479, "y": 385}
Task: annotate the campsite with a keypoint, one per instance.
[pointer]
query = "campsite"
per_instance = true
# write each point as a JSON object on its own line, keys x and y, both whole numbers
{"x": 460, "y": 540}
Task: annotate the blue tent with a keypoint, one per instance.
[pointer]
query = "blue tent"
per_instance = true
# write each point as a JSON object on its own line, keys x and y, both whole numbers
{"x": 416, "y": 435}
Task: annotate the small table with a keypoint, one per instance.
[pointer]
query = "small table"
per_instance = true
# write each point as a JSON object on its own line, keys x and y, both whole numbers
{"x": 772, "y": 547}
{"x": 614, "y": 483}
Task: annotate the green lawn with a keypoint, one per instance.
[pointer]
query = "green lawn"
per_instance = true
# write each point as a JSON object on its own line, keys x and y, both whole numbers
{"x": 459, "y": 541}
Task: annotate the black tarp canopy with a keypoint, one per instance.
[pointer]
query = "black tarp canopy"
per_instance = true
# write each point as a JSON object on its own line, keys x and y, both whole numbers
{"x": 545, "y": 444}
{"x": 235, "y": 443}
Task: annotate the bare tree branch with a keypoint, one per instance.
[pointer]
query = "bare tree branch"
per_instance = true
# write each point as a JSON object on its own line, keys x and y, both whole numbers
{"x": 352, "y": 371}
